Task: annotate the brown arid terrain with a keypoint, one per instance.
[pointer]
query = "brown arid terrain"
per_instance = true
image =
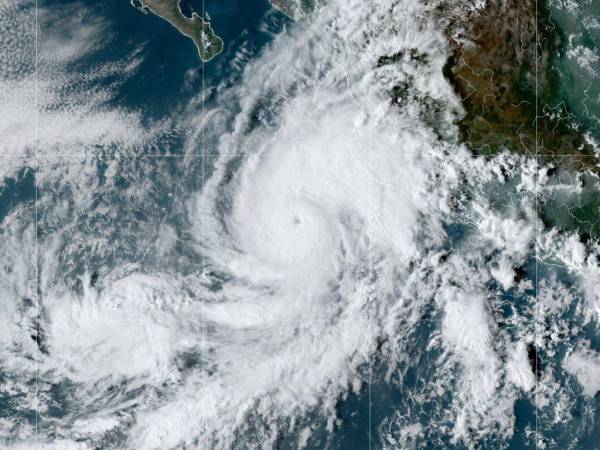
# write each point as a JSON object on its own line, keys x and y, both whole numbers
{"x": 196, "y": 28}
{"x": 500, "y": 65}
{"x": 501, "y": 68}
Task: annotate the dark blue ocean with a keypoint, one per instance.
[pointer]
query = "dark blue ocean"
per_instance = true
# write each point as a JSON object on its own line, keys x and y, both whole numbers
{"x": 169, "y": 78}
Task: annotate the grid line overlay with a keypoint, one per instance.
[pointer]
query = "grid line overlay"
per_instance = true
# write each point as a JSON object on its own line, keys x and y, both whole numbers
{"x": 282, "y": 154}
{"x": 369, "y": 249}
{"x": 202, "y": 260}
{"x": 35, "y": 230}
{"x": 537, "y": 231}
{"x": 203, "y": 156}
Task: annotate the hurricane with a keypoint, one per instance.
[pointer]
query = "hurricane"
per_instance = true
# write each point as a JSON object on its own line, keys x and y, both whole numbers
{"x": 302, "y": 253}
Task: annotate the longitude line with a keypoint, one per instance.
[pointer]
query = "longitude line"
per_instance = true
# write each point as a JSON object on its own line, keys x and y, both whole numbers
{"x": 202, "y": 260}
{"x": 369, "y": 247}
{"x": 35, "y": 230}
{"x": 535, "y": 324}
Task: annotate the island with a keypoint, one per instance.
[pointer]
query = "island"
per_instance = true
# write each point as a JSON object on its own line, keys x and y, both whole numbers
{"x": 197, "y": 29}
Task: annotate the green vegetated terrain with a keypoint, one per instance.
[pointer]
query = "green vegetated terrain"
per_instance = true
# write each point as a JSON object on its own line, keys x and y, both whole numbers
{"x": 509, "y": 87}
{"x": 504, "y": 68}
{"x": 568, "y": 210}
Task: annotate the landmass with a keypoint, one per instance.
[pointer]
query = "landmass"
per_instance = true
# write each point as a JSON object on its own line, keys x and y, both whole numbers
{"x": 208, "y": 43}
{"x": 500, "y": 66}
{"x": 295, "y": 9}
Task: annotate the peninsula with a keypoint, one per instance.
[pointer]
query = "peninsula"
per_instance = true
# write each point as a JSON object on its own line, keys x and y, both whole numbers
{"x": 197, "y": 29}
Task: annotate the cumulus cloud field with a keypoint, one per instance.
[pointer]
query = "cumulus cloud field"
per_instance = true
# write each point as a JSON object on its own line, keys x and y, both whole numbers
{"x": 235, "y": 298}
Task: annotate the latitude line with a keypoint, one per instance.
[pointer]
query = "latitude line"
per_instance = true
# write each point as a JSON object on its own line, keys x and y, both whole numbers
{"x": 200, "y": 155}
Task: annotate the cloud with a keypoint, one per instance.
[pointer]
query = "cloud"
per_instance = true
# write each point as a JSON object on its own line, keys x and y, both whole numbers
{"x": 49, "y": 103}
{"x": 584, "y": 365}
{"x": 243, "y": 297}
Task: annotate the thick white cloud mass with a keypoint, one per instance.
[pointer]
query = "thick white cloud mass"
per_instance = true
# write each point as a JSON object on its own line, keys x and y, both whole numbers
{"x": 585, "y": 366}
{"x": 228, "y": 300}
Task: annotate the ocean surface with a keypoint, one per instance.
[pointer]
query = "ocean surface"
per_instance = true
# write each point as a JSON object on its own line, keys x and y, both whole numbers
{"x": 262, "y": 252}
